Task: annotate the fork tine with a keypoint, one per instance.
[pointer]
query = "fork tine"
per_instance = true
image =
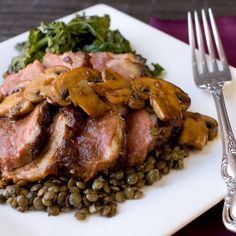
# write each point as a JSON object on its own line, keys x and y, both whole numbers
{"x": 200, "y": 43}
{"x": 209, "y": 41}
{"x": 192, "y": 44}
{"x": 218, "y": 42}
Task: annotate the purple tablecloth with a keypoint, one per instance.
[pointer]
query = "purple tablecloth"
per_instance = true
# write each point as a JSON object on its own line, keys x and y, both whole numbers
{"x": 226, "y": 26}
{"x": 210, "y": 223}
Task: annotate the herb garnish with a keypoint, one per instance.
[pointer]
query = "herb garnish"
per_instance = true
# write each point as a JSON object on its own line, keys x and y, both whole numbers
{"x": 85, "y": 33}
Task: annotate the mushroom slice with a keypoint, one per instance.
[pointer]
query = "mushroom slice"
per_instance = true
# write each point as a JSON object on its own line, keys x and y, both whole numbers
{"x": 168, "y": 101}
{"x": 15, "y": 105}
{"x": 56, "y": 70}
{"x": 115, "y": 88}
{"x": 40, "y": 88}
{"x": 84, "y": 96}
{"x": 1, "y": 96}
{"x": 194, "y": 133}
{"x": 70, "y": 79}
{"x": 211, "y": 123}
{"x": 136, "y": 103}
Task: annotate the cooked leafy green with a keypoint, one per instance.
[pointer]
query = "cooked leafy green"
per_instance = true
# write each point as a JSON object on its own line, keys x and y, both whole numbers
{"x": 155, "y": 71}
{"x": 86, "y": 33}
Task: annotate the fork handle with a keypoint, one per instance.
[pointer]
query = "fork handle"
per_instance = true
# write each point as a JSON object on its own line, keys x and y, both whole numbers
{"x": 228, "y": 165}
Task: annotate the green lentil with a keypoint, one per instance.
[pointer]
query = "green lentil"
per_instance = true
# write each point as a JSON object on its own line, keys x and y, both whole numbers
{"x": 138, "y": 194}
{"x": 53, "y": 210}
{"x": 38, "y": 204}
{"x": 129, "y": 193}
{"x": 120, "y": 197}
{"x": 132, "y": 179}
{"x": 80, "y": 216}
{"x": 152, "y": 176}
{"x": 22, "y": 201}
{"x": 100, "y": 195}
{"x": 75, "y": 200}
{"x": 80, "y": 185}
{"x": 106, "y": 211}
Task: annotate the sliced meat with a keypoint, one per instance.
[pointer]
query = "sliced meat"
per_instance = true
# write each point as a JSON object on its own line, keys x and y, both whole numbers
{"x": 58, "y": 156}
{"x": 21, "y": 141}
{"x": 100, "y": 143}
{"x": 68, "y": 59}
{"x": 127, "y": 65}
{"x": 139, "y": 138}
{"x": 17, "y": 81}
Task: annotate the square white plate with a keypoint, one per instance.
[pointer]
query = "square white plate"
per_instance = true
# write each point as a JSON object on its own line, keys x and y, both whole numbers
{"x": 179, "y": 197}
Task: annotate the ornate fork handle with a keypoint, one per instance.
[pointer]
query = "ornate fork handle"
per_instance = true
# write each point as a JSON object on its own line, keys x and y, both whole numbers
{"x": 228, "y": 166}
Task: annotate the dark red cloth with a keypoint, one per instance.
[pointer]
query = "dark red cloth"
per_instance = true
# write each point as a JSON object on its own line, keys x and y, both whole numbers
{"x": 210, "y": 223}
{"x": 179, "y": 29}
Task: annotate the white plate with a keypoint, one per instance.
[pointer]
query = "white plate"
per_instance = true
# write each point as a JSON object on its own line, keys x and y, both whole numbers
{"x": 175, "y": 200}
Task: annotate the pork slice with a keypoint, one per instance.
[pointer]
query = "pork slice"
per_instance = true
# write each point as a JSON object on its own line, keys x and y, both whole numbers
{"x": 127, "y": 65}
{"x": 99, "y": 143}
{"x": 139, "y": 139}
{"x": 68, "y": 59}
{"x": 16, "y": 81}
{"x": 59, "y": 154}
{"x": 22, "y": 140}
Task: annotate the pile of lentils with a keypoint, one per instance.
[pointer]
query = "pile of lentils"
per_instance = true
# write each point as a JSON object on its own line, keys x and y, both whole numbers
{"x": 101, "y": 195}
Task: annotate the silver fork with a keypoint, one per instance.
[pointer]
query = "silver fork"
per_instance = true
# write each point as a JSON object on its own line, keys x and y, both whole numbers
{"x": 208, "y": 75}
